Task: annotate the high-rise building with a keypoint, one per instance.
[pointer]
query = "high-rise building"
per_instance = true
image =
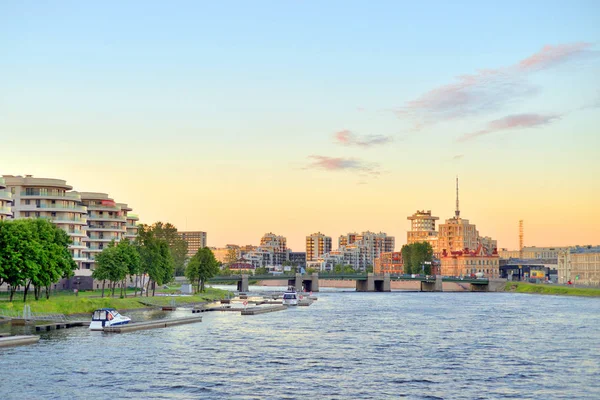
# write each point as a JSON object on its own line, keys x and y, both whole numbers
{"x": 317, "y": 244}
{"x": 422, "y": 229}
{"x": 195, "y": 240}
{"x": 278, "y": 243}
{"x": 5, "y": 201}
{"x": 457, "y": 233}
{"x": 375, "y": 243}
{"x": 106, "y": 222}
{"x": 50, "y": 199}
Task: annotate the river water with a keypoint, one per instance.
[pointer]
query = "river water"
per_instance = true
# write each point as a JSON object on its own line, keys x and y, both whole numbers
{"x": 346, "y": 345}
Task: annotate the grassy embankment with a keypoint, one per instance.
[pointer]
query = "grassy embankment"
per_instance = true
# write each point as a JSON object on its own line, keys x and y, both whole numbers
{"x": 522, "y": 287}
{"x": 87, "y": 302}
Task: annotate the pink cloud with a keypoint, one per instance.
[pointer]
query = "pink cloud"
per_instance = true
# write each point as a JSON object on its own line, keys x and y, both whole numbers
{"x": 342, "y": 164}
{"x": 347, "y": 138}
{"x": 517, "y": 121}
{"x": 553, "y": 55}
{"x": 487, "y": 90}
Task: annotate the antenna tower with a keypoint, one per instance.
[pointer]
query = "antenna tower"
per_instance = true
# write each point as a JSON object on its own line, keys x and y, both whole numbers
{"x": 521, "y": 239}
{"x": 457, "y": 212}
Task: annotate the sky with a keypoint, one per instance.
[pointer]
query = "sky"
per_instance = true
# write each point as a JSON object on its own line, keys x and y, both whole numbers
{"x": 241, "y": 118}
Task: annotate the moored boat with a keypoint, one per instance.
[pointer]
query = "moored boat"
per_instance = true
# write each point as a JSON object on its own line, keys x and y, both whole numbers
{"x": 106, "y": 317}
{"x": 290, "y": 297}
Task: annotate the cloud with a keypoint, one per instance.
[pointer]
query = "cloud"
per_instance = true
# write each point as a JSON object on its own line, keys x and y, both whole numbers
{"x": 347, "y": 138}
{"x": 487, "y": 90}
{"x": 343, "y": 164}
{"x": 516, "y": 121}
{"x": 458, "y": 156}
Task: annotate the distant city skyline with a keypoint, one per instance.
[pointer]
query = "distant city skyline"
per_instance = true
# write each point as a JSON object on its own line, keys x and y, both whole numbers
{"x": 238, "y": 119}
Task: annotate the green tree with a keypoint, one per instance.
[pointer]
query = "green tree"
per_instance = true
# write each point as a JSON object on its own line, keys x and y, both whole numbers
{"x": 177, "y": 246}
{"x": 202, "y": 267}
{"x": 261, "y": 271}
{"x": 156, "y": 259}
{"x": 417, "y": 258}
{"x": 33, "y": 251}
{"x": 369, "y": 268}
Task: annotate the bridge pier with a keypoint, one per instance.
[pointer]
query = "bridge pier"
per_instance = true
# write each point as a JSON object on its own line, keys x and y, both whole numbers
{"x": 435, "y": 286}
{"x": 475, "y": 287}
{"x": 374, "y": 283}
{"x": 242, "y": 284}
{"x": 310, "y": 283}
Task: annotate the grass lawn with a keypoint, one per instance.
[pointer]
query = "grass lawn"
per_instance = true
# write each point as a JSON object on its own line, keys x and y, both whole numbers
{"x": 86, "y": 302}
{"x": 522, "y": 287}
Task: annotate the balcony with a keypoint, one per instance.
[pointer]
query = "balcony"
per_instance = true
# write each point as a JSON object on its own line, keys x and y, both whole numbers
{"x": 52, "y": 207}
{"x": 106, "y": 218}
{"x": 64, "y": 220}
{"x": 50, "y": 195}
{"x": 100, "y": 207}
{"x": 5, "y": 195}
{"x": 5, "y": 211}
{"x": 133, "y": 217}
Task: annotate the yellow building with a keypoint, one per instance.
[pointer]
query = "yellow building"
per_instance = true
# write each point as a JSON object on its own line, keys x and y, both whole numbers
{"x": 580, "y": 265}
{"x": 317, "y": 244}
{"x": 468, "y": 262}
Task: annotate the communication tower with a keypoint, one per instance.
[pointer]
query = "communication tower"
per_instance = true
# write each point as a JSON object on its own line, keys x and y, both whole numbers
{"x": 521, "y": 239}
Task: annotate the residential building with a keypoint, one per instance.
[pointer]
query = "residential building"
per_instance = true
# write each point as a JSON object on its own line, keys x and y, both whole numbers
{"x": 242, "y": 268}
{"x": 106, "y": 222}
{"x": 278, "y": 243}
{"x": 195, "y": 240}
{"x": 389, "y": 263}
{"x": 51, "y": 199}
{"x": 5, "y": 201}
{"x": 297, "y": 258}
{"x": 131, "y": 228}
{"x": 469, "y": 262}
{"x": 579, "y": 265}
{"x": 422, "y": 229}
{"x": 366, "y": 245}
{"x": 317, "y": 244}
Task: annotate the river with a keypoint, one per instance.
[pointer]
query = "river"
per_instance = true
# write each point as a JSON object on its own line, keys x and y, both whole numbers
{"x": 346, "y": 345}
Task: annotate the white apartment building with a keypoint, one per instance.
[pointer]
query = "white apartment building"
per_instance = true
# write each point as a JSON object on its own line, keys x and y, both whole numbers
{"x": 5, "y": 201}
{"x": 53, "y": 200}
{"x": 317, "y": 244}
{"x": 106, "y": 222}
{"x": 370, "y": 244}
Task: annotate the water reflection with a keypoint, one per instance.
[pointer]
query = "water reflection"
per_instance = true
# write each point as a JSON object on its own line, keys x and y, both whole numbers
{"x": 346, "y": 345}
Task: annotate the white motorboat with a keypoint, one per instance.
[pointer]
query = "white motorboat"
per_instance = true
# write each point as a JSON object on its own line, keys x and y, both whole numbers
{"x": 290, "y": 297}
{"x": 106, "y": 317}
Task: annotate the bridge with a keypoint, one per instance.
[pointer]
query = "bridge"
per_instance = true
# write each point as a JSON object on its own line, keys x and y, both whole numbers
{"x": 364, "y": 282}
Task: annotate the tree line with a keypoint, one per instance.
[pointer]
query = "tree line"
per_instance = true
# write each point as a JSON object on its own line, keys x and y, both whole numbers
{"x": 33, "y": 252}
{"x": 156, "y": 255}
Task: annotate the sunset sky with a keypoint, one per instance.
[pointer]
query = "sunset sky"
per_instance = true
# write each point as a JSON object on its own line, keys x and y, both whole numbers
{"x": 240, "y": 118}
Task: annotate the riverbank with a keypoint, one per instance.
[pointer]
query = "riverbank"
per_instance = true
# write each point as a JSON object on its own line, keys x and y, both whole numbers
{"x": 522, "y": 287}
{"x": 69, "y": 304}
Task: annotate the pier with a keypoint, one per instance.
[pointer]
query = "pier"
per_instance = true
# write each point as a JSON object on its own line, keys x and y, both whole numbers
{"x": 11, "y": 341}
{"x": 163, "y": 323}
{"x": 262, "y": 310}
{"x": 61, "y": 325}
